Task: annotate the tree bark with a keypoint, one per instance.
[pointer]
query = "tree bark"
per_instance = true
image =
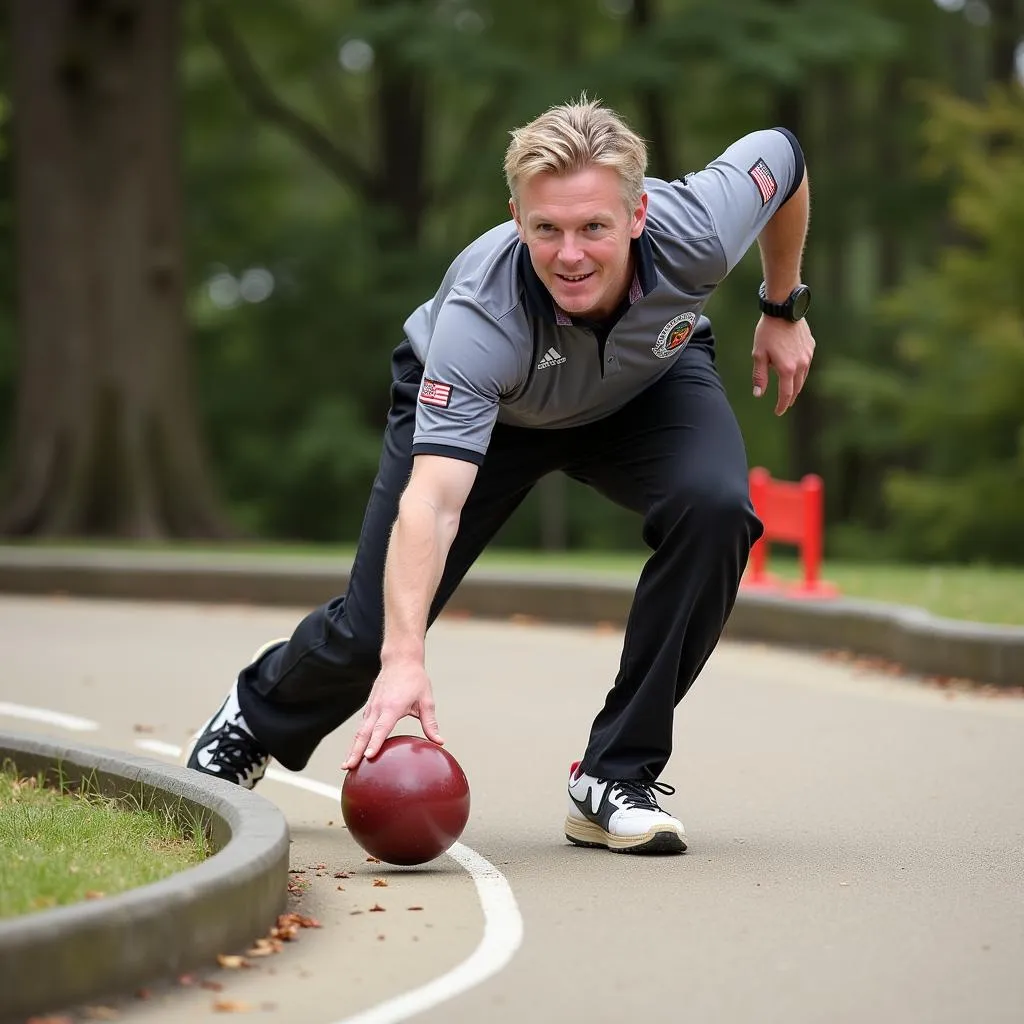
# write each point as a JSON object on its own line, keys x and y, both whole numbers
{"x": 654, "y": 103}
{"x": 106, "y": 438}
{"x": 890, "y": 161}
{"x": 1007, "y": 30}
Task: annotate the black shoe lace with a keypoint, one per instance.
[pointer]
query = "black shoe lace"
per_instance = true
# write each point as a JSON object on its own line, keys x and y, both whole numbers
{"x": 641, "y": 794}
{"x": 237, "y": 751}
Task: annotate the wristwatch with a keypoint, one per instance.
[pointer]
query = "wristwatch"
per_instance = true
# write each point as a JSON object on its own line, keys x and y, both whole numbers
{"x": 793, "y": 309}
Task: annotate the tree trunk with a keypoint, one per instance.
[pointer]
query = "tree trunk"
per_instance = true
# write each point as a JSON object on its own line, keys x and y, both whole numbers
{"x": 1007, "y": 30}
{"x": 106, "y": 433}
{"x": 402, "y": 182}
{"x": 654, "y": 104}
{"x": 890, "y": 165}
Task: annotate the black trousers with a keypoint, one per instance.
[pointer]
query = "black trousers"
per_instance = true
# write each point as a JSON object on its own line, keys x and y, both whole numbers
{"x": 674, "y": 455}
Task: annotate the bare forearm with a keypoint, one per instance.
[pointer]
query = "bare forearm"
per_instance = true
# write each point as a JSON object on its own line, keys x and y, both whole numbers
{"x": 420, "y": 540}
{"x": 782, "y": 244}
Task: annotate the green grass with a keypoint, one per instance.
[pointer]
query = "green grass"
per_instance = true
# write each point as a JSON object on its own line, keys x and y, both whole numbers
{"x": 989, "y": 594}
{"x": 58, "y": 848}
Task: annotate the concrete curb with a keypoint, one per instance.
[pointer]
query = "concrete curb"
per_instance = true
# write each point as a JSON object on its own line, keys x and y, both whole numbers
{"x": 918, "y": 641}
{"x": 57, "y": 958}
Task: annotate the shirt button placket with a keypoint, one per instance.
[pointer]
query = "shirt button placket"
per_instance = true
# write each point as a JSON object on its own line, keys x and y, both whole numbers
{"x": 611, "y": 361}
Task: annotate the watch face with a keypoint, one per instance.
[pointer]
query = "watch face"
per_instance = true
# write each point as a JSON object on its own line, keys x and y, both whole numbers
{"x": 801, "y": 302}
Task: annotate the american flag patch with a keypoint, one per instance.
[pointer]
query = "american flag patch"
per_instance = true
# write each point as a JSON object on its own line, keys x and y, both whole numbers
{"x": 764, "y": 180}
{"x": 434, "y": 392}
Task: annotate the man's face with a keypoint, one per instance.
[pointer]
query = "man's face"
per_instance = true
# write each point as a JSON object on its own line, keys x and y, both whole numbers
{"x": 578, "y": 231}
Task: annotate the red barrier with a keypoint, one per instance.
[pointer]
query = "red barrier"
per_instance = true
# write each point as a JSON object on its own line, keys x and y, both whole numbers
{"x": 792, "y": 513}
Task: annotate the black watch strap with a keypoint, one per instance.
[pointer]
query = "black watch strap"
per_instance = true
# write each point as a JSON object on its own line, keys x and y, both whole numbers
{"x": 794, "y": 308}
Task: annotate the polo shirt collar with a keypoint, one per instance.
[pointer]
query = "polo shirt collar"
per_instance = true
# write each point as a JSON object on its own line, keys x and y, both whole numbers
{"x": 541, "y": 305}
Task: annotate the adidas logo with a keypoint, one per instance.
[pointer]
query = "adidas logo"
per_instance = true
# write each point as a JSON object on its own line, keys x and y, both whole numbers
{"x": 551, "y": 358}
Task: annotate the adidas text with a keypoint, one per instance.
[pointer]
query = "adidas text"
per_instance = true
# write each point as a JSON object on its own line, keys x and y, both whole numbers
{"x": 551, "y": 358}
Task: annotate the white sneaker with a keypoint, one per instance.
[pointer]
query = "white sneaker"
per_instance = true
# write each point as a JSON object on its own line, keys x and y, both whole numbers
{"x": 225, "y": 747}
{"x": 621, "y": 815}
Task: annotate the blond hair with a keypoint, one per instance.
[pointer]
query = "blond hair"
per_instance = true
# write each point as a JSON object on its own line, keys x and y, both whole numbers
{"x": 571, "y": 137}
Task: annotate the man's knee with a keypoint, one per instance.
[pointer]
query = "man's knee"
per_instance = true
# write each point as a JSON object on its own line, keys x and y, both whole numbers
{"x": 720, "y": 511}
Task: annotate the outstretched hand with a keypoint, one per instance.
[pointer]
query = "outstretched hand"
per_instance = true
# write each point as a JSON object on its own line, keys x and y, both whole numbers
{"x": 788, "y": 348}
{"x": 400, "y": 690}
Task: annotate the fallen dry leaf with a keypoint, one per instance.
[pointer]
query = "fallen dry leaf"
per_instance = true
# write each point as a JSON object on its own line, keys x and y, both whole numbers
{"x": 230, "y": 962}
{"x": 321, "y": 867}
{"x": 341, "y": 888}
{"x": 354, "y": 912}
{"x": 285, "y": 931}
{"x": 376, "y": 909}
{"x": 264, "y": 947}
{"x": 380, "y": 883}
{"x": 373, "y": 860}
{"x": 231, "y": 1006}
{"x": 342, "y": 874}
{"x": 288, "y": 925}
{"x": 415, "y": 908}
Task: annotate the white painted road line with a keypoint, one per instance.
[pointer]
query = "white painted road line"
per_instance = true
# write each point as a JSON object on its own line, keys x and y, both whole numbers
{"x": 503, "y": 924}
{"x": 503, "y": 933}
{"x": 49, "y": 717}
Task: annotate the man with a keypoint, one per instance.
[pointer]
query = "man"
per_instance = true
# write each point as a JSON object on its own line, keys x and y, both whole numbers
{"x": 571, "y": 339}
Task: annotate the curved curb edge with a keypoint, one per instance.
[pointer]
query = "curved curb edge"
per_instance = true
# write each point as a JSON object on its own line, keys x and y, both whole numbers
{"x": 56, "y": 958}
{"x": 916, "y": 640}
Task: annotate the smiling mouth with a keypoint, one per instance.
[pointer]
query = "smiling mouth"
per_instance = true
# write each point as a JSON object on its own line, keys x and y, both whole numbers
{"x": 574, "y": 278}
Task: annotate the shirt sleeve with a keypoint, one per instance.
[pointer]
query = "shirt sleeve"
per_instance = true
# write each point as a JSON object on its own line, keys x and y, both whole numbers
{"x": 742, "y": 188}
{"x": 470, "y": 364}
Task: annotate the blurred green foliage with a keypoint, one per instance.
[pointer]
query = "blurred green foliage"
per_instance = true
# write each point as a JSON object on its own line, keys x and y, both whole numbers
{"x": 960, "y": 491}
{"x": 350, "y": 149}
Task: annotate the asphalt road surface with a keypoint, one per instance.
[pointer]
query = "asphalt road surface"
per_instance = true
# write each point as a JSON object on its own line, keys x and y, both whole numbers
{"x": 856, "y": 839}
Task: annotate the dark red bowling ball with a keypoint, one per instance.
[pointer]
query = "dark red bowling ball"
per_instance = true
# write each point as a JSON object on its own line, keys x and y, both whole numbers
{"x": 409, "y": 803}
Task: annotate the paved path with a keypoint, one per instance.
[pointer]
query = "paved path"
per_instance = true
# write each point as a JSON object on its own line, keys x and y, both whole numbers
{"x": 856, "y": 842}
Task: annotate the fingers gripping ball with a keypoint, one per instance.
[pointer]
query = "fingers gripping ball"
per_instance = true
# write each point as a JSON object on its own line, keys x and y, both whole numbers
{"x": 409, "y": 803}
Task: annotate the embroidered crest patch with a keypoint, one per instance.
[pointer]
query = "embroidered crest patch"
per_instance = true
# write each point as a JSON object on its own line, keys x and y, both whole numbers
{"x": 674, "y": 335}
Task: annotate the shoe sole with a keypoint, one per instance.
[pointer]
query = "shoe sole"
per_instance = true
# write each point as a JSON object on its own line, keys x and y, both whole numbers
{"x": 660, "y": 839}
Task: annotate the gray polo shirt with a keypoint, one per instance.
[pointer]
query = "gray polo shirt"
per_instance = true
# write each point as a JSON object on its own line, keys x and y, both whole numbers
{"x": 496, "y": 348}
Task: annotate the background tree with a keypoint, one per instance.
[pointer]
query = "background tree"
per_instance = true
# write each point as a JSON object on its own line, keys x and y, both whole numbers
{"x": 338, "y": 154}
{"x": 105, "y": 438}
{"x": 961, "y": 348}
